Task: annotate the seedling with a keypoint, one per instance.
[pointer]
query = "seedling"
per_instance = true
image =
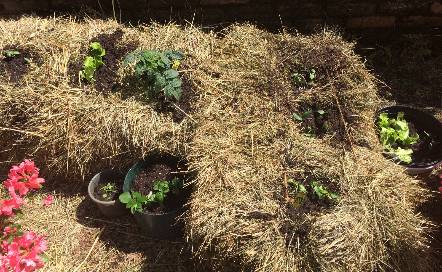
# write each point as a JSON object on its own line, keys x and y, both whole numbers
{"x": 297, "y": 191}
{"x": 321, "y": 192}
{"x": 304, "y": 77}
{"x": 395, "y": 136}
{"x": 92, "y": 62}
{"x": 108, "y": 190}
{"x": 306, "y": 114}
{"x": 11, "y": 54}
{"x": 136, "y": 202}
{"x": 158, "y": 69}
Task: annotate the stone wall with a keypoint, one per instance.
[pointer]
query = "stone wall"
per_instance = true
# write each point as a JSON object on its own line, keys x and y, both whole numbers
{"x": 305, "y": 14}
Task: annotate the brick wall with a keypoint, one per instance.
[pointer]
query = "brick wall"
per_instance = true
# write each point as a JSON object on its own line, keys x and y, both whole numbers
{"x": 305, "y": 14}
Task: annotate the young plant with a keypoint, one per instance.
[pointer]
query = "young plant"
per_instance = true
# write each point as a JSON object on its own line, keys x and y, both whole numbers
{"x": 136, "y": 202}
{"x": 108, "y": 190}
{"x": 158, "y": 70}
{"x": 321, "y": 192}
{"x": 304, "y": 77}
{"x": 11, "y": 54}
{"x": 92, "y": 62}
{"x": 297, "y": 192}
{"x": 395, "y": 136}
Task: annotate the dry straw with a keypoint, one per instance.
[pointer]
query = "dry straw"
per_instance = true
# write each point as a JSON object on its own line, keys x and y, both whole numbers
{"x": 240, "y": 140}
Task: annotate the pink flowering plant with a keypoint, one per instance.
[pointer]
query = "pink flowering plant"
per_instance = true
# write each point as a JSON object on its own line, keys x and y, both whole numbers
{"x": 20, "y": 251}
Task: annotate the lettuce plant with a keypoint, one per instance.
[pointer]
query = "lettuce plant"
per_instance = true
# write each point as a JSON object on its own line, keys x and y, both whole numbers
{"x": 136, "y": 202}
{"x": 321, "y": 192}
{"x": 93, "y": 61}
{"x": 11, "y": 54}
{"x": 395, "y": 136}
{"x": 158, "y": 71}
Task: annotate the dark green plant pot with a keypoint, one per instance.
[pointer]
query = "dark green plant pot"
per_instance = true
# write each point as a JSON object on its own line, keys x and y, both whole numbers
{"x": 112, "y": 208}
{"x": 163, "y": 226}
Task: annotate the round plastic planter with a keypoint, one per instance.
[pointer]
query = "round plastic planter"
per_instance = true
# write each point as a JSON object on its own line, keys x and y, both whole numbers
{"x": 163, "y": 226}
{"x": 108, "y": 208}
{"x": 422, "y": 122}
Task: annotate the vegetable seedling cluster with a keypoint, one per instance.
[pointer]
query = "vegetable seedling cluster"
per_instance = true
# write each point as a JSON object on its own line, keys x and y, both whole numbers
{"x": 396, "y": 137}
{"x": 137, "y": 202}
{"x": 299, "y": 192}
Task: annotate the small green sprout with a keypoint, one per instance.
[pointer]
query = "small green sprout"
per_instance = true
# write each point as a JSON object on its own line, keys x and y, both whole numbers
{"x": 304, "y": 77}
{"x": 93, "y": 61}
{"x": 321, "y": 192}
{"x": 297, "y": 191}
{"x": 107, "y": 190}
{"x": 11, "y": 53}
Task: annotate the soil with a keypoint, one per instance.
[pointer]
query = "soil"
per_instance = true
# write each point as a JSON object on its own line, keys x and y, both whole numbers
{"x": 16, "y": 67}
{"x": 98, "y": 192}
{"x": 106, "y": 78}
{"x": 160, "y": 170}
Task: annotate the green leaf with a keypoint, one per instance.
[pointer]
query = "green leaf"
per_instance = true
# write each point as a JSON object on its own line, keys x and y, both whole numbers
{"x": 171, "y": 74}
{"x": 11, "y": 53}
{"x": 125, "y": 197}
{"x": 312, "y": 74}
{"x": 297, "y": 117}
{"x": 321, "y": 112}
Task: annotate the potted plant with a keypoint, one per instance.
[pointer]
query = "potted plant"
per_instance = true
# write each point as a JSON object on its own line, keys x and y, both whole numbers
{"x": 154, "y": 192}
{"x": 104, "y": 189}
{"x": 411, "y": 137}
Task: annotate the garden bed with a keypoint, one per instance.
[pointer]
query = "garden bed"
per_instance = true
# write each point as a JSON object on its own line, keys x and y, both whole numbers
{"x": 239, "y": 136}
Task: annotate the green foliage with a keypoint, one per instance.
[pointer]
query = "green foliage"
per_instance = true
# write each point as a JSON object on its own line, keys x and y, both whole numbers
{"x": 107, "y": 190}
{"x": 297, "y": 192}
{"x": 158, "y": 69}
{"x": 11, "y": 53}
{"x": 321, "y": 192}
{"x": 395, "y": 136}
{"x": 304, "y": 78}
{"x": 306, "y": 114}
{"x": 93, "y": 61}
{"x": 136, "y": 202}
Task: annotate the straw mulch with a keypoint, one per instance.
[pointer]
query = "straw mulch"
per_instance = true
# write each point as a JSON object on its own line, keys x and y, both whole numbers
{"x": 240, "y": 139}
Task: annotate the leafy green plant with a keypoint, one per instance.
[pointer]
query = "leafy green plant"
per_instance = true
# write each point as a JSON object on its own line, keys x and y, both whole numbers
{"x": 321, "y": 192}
{"x": 93, "y": 61}
{"x": 108, "y": 190}
{"x": 11, "y": 53}
{"x": 158, "y": 70}
{"x": 395, "y": 136}
{"x": 297, "y": 192}
{"x": 306, "y": 114}
{"x": 136, "y": 202}
{"x": 304, "y": 77}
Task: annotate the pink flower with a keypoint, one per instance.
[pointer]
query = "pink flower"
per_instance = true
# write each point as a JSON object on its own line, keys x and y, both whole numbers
{"x": 24, "y": 177}
{"x": 48, "y": 200}
{"x": 8, "y": 205}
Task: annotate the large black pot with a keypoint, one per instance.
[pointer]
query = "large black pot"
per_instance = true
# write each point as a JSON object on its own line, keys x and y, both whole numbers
{"x": 431, "y": 157}
{"x": 112, "y": 208}
{"x": 164, "y": 226}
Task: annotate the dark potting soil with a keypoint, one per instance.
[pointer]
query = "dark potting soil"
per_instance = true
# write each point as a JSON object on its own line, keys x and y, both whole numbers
{"x": 144, "y": 182}
{"x": 16, "y": 67}
{"x": 106, "y": 78}
{"x": 99, "y": 190}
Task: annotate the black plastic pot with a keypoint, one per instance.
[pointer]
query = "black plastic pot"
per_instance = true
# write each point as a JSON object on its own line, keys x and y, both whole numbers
{"x": 164, "y": 226}
{"x": 423, "y": 123}
{"x": 108, "y": 208}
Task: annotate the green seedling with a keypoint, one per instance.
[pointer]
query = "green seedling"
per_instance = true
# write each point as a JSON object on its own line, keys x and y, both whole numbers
{"x": 136, "y": 202}
{"x": 11, "y": 53}
{"x": 395, "y": 136}
{"x": 158, "y": 70}
{"x": 304, "y": 77}
{"x": 306, "y": 114}
{"x": 321, "y": 192}
{"x": 107, "y": 190}
{"x": 297, "y": 191}
{"x": 92, "y": 62}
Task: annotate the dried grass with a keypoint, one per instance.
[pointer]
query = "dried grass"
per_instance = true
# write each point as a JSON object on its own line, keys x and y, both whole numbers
{"x": 240, "y": 140}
